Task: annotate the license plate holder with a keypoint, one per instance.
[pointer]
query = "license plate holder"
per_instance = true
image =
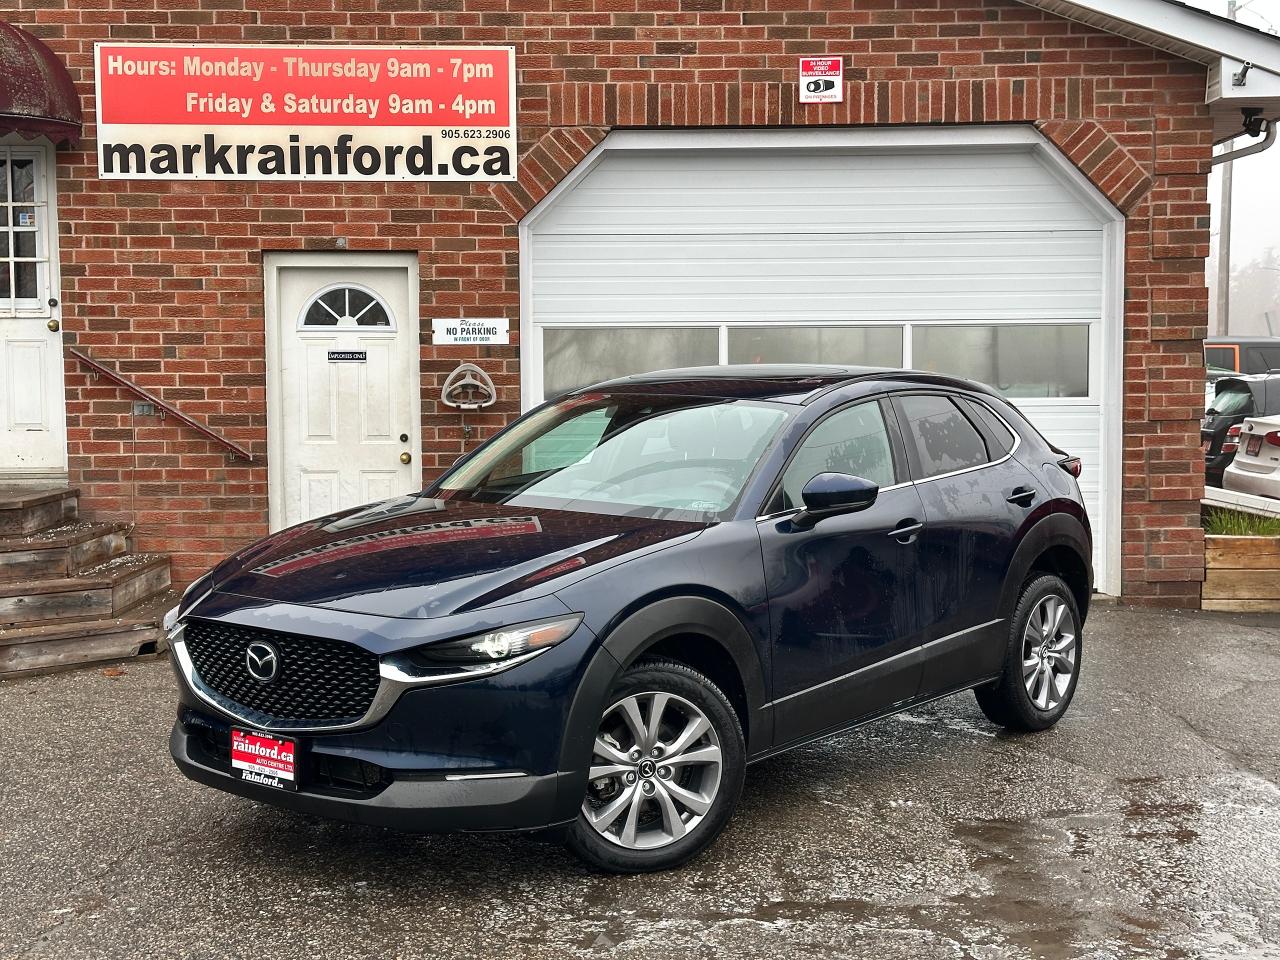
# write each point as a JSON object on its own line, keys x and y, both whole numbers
{"x": 264, "y": 759}
{"x": 1254, "y": 445}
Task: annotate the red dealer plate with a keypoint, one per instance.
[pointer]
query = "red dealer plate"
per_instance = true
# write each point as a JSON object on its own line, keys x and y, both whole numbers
{"x": 269, "y": 761}
{"x": 1255, "y": 444}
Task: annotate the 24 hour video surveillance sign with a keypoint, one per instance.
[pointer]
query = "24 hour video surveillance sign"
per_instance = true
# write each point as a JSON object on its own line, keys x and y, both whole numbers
{"x": 213, "y": 112}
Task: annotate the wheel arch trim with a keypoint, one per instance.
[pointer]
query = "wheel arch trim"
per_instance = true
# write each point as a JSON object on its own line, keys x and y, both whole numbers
{"x": 1055, "y": 530}
{"x": 627, "y": 642}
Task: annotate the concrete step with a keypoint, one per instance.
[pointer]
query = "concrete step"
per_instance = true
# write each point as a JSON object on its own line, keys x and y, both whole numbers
{"x": 28, "y": 509}
{"x": 49, "y": 647}
{"x": 61, "y": 551}
{"x": 105, "y": 590}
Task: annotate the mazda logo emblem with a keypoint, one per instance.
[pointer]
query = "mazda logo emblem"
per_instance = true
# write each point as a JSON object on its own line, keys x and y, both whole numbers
{"x": 262, "y": 660}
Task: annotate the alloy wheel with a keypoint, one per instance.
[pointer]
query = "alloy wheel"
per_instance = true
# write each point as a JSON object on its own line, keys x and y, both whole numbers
{"x": 655, "y": 771}
{"x": 1049, "y": 652}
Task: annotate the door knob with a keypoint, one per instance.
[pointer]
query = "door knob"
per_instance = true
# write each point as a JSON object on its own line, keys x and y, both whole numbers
{"x": 405, "y": 457}
{"x": 54, "y": 325}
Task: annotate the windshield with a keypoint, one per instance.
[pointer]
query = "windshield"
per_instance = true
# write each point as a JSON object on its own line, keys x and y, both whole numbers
{"x": 1232, "y": 400}
{"x": 654, "y": 456}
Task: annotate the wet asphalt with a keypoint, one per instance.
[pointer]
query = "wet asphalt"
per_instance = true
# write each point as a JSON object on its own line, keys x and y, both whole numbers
{"x": 1147, "y": 824}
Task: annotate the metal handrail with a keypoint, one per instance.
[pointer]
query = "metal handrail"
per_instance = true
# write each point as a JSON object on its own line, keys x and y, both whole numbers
{"x": 101, "y": 369}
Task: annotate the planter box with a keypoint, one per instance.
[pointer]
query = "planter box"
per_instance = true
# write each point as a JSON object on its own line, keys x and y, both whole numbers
{"x": 1242, "y": 574}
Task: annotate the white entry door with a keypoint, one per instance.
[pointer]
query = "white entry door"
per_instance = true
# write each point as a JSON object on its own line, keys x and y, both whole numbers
{"x": 33, "y": 439}
{"x": 344, "y": 427}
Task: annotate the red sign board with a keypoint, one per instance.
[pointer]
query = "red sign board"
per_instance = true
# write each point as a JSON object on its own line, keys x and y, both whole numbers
{"x": 821, "y": 79}
{"x": 170, "y": 111}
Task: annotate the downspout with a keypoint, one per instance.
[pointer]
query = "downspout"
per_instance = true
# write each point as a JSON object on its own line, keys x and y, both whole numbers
{"x": 1264, "y": 144}
{"x": 1223, "y": 320}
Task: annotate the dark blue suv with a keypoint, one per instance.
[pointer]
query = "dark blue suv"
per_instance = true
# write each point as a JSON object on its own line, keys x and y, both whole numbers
{"x": 596, "y": 620}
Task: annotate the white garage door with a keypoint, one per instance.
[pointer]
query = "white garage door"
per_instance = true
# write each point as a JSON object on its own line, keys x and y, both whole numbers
{"x": 982, "y": 261}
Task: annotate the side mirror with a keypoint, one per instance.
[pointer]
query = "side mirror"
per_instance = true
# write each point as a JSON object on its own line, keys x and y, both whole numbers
{"x": 828, "y": 494}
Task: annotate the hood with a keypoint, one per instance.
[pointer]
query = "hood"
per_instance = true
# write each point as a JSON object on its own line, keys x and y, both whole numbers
{"x": 419, "y": 557}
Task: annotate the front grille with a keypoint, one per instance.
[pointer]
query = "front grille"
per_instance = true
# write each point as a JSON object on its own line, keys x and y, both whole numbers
{"x": 319, "y": 682}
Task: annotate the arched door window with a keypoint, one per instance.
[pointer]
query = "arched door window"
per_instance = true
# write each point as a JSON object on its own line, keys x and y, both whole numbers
{"x": 346, "y": 305}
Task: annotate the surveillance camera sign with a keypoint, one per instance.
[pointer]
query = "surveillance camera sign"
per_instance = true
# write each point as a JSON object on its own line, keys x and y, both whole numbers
{"x": 821, "y": 79}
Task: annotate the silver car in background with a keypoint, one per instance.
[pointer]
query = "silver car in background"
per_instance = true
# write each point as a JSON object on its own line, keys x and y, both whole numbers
{"x": 1256, "y": 467}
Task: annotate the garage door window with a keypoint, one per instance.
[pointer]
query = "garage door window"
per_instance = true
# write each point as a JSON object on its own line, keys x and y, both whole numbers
{"x": 574, "y": 357}
{"x": 1026, "y": 360}
{"x": 866, "y": 346}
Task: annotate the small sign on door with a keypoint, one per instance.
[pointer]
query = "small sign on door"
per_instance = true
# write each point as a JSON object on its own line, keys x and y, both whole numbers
{"x": 821, "y": 79}
{"x": 458, "y": 332}
{"x": 347, "y": 356}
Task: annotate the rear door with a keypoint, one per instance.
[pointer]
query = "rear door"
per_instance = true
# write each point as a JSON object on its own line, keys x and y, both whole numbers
{"x": 843, "y": 610}
{"x": 976, "y": 499}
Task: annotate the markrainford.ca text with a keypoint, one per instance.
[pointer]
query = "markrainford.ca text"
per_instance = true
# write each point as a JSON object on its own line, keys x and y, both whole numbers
{"x": 207, "y": 157}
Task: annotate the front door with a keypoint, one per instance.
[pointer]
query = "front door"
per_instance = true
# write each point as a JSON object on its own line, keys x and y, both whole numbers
{"x": 842, "y": 593}
{"x": 33, "y": 440}
{"x": 343, "y": 383}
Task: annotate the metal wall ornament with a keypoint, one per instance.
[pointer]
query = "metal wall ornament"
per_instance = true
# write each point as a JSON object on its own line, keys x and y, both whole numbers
{"x": 468, "y": 388}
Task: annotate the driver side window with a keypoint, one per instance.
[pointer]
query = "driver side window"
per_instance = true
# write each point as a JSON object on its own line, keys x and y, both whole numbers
{"x": 853, "y": 440}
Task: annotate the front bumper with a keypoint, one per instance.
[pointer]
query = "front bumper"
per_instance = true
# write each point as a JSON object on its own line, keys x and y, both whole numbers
{"x": 484, "y": 754}
{"x": 430, "y": 804}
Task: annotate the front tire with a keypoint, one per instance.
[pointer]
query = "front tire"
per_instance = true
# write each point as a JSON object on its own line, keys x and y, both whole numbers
{"x": 1042, "y": 660}
{"x": 666, "y": 771}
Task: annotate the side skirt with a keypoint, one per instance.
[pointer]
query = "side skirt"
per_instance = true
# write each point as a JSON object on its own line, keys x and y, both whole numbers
{"x": 870, "y": 718}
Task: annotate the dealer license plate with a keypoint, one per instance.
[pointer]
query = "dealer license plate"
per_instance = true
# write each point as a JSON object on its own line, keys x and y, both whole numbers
{"x": 1255, "y": 444}
{"x": 266, "y": 760}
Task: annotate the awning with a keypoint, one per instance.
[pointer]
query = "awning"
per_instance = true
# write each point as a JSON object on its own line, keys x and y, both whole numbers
{"x": 37, "y": 95}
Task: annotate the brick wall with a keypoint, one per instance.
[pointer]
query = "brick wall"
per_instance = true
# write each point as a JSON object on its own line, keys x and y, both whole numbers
{"x": 165, "y": 279}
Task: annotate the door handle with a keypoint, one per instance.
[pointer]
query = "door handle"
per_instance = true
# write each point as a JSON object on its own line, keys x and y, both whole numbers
{"x": 1022, "y": 496}
{"x": 53, "y": 325}
{"x": 907, "y": 529}
{"x": 406, "y": 457}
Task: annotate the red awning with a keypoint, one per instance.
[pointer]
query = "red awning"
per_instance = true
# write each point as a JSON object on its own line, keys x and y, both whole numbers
{"x": 37, "y": 96}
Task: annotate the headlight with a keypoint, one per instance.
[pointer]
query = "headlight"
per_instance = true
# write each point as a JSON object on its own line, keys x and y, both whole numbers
{"x": 497, "y": 646}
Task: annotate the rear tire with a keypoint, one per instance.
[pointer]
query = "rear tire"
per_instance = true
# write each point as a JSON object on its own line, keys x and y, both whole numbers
{"x": 667, "y": 771}
{"x": 1042, "y": 659}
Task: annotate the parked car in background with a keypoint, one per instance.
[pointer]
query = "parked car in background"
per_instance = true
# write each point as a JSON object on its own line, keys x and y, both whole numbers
{"x": 1256, "y": 467}
{"x": 1242, "y": 354}
{"x": 596, "y": 620}
{"x": 1235, "y": 398}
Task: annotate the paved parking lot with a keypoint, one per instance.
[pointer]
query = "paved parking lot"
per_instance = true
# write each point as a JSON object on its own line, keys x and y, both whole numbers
{"x": 1146, "y": 825}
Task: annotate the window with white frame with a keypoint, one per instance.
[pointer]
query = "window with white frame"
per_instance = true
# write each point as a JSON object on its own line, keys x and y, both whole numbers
{"x": 25, "y": 225}
{"x": 1024, "y": 360}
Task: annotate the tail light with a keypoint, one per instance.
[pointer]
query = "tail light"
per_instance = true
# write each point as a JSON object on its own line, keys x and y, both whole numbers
{"x": 1073, "y": 466}
{"x": 1232, "y": 443}
{"x": 1272, "y": 438}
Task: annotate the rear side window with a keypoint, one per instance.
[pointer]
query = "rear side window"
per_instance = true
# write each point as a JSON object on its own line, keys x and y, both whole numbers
{"x": 944, "y": 439}
{"x": 1223, "y": 358}
{"x": 999, "y": 439}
